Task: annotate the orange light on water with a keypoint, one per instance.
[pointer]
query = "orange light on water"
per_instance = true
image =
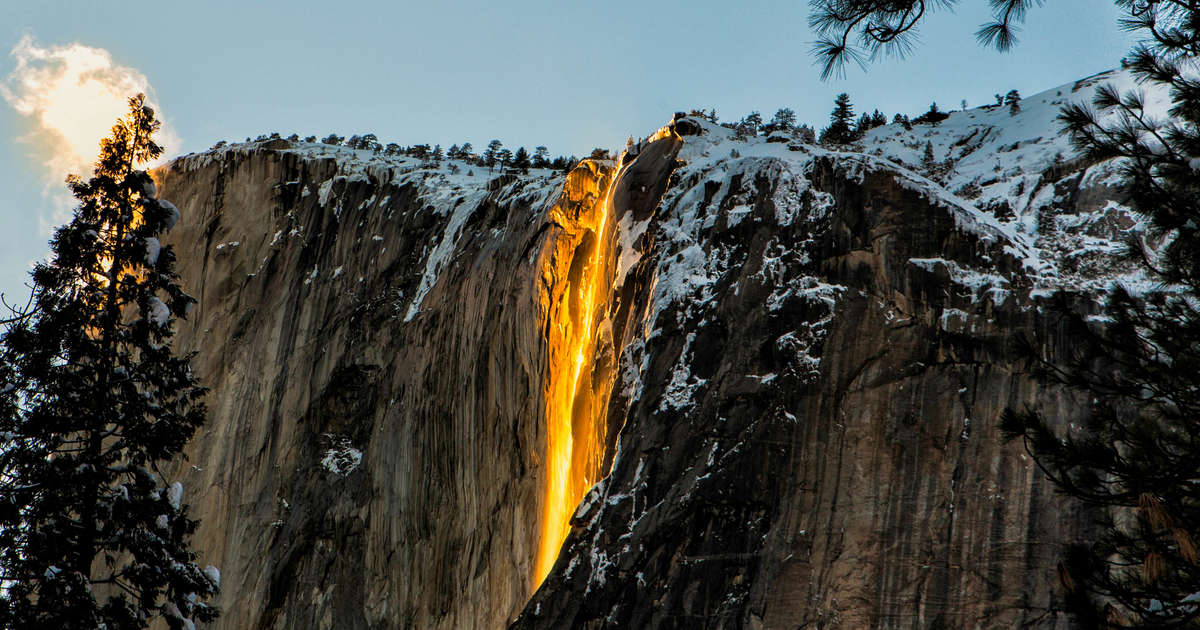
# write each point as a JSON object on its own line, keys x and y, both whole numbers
{"x": 574, "y": 413}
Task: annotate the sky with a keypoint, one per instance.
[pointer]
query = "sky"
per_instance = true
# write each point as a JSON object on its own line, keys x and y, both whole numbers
{"x": 568, "y": 75}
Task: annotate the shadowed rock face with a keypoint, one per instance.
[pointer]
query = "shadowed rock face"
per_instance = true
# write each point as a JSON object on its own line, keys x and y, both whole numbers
{"x": 301, "y": 335}
{"x": 805, "y": 378}
{"x": 809, "y": 418}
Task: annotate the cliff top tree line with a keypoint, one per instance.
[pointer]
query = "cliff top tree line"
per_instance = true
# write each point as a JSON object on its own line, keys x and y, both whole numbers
{"x": 495, "y": 156}
{"x": 843, "y": 129}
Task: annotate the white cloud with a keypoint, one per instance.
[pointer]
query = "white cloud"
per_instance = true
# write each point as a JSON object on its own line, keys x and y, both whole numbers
{"x": 73, "y": 94}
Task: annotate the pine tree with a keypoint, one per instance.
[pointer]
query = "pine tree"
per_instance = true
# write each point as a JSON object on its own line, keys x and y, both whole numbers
{"x": 504, "y": 158}
{"x": 520, "y": 160}
{"x": 784, "y": 120}
{"x": 863, "y": 125}
{"x": 841, "y": 120}
{"x": 465, "y": 150}
{"x": 927, "y": 159}
{"x": 751, "y": 123}
{"x": 92, "y": 401}
{"x": 541, "y": 157}
{"x": 934, "y": 116}
{"x": 1013, "y": 100}
{"x": 491, "y": 154}
{"x": 1138, "y": 455}
{"x": 369, "y": 141}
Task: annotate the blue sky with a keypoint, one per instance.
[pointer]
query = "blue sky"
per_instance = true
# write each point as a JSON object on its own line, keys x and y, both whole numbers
{"x": 568, "y": 75}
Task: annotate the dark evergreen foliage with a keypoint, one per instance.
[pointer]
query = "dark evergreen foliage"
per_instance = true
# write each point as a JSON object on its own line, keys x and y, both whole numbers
{"x": 521, "y": 161}
{"x": 1138, "y": 457}
{"x": 1013, "y": 100}
{"x": 933, "y": 117}
{"x": 804, "y": 133}
{"x": 885, "y": 27}
{"x": 92, "y": 401}
{"x": 784, "y": 120}
{"x": 491, "y": 154}
{"x": 841, "y": 122}
{"x": 749, "y": 125}
{"x": 504, "y": 158}
{"x": 927, "y": 158}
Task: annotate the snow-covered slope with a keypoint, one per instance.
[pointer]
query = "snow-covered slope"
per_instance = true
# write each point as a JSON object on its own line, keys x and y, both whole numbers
{"x": 1022, "y": 169}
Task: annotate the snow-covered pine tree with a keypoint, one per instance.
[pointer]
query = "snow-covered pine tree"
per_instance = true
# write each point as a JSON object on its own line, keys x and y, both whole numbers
{"x": 92, "y": 401}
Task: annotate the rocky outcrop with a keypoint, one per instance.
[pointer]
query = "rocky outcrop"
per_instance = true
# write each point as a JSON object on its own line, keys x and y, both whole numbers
{"x": 798, "y": 372}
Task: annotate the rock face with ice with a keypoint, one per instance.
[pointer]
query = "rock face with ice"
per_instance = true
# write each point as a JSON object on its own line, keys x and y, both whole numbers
{"x": 808, "y": 352}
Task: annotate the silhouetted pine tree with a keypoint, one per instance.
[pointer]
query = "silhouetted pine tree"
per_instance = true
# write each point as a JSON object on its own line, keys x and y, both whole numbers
{"x": 934, "y": 116}
{"x": 92, "y": 401}
{"x": 491, "y": 154}
{"x": 520, "y": 160}
{"x": 841, "y": 122}
{"x": 1139, "y": 455}
{"x": 504, "y": 158}
{"x": 1013, "y": 100}
{"x": 784, "y": 120}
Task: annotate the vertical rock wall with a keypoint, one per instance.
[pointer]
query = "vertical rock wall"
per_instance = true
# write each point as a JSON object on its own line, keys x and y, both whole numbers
{"x": 809, "y": 403}
{"x": 374, "y": 338}
{"x": 807, "y": 353}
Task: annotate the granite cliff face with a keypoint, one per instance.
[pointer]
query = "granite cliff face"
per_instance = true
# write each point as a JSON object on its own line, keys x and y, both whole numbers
{"x": 790, "y": 379}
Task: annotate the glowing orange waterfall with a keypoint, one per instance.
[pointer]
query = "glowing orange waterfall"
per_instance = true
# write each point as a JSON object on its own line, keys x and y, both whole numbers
{"x": 575, "y": 405}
